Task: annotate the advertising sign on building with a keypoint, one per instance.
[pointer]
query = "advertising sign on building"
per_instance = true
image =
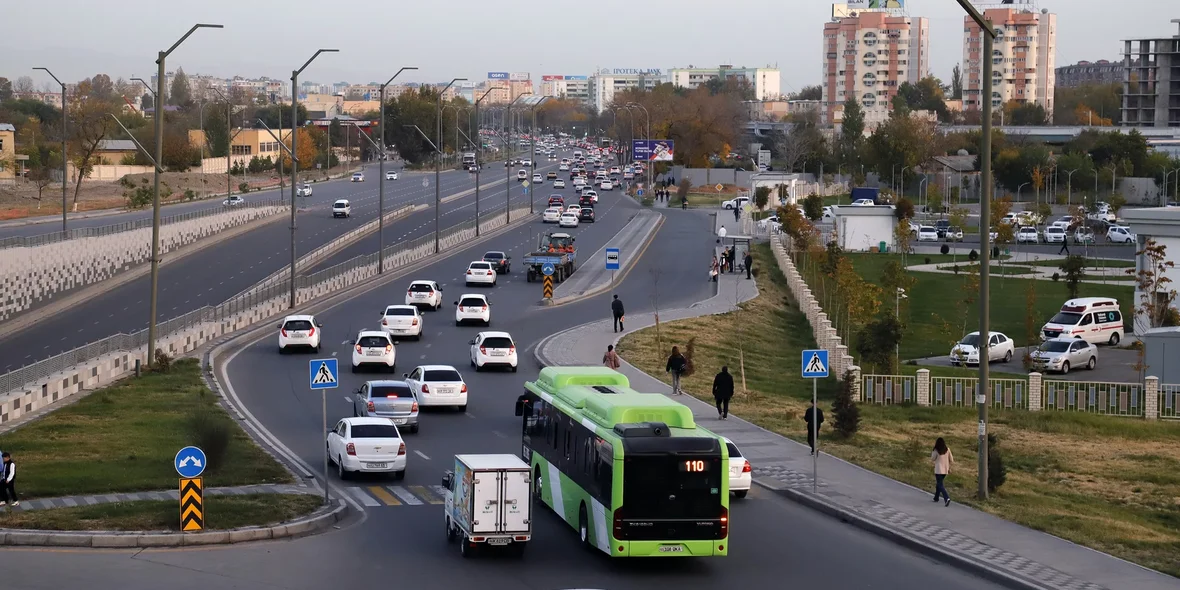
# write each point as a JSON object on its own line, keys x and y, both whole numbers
{"x": 497, "y": 75}
{"x": 630, "y": 72}
{"x": 873, "y": 4}
{"x": 577, "y": 77}
{"x": 653, "y": 150}
{"x": 550, "y": 78}
{"x": 518, "y": 76}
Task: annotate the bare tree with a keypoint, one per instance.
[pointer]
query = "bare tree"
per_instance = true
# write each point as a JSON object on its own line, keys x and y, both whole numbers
{"x": 797, "y": 143}
{"x": 41, "y": 178}
{"x": 24, "y": 84}
{"x": 655, "y": 305}
{"x": 90, "y": 125}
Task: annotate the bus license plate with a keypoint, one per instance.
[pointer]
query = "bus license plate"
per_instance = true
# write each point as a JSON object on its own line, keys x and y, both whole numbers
{"x": 498, "y": 541}
{"x": 671, "y": 548}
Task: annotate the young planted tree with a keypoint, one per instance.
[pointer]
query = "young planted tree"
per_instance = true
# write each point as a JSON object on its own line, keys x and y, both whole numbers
{"x": 845, "y": 412}
{"x": 813, "y": 207}
{"x": 761, "y": 197}
{"x": 1074, "y": 270}
{"x": 1157, "y": 298}
{"x": 1031, "y": 321}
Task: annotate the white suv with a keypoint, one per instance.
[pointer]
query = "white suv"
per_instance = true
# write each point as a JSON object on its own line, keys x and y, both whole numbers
{"x": 473, "y": 308}
{"x": 342, "y": 208}
{"x": 424, "y": 293}
{"x": 373, "y": 347}
{"x": 493, "y": 348}
{"x": 298, "y": 331}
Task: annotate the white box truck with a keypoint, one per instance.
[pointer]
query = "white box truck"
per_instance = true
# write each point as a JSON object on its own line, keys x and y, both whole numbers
{"x": 488, "y": 502}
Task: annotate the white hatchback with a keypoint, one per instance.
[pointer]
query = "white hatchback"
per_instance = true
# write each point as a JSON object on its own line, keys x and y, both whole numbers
{"x": 568, "y": 220}
{"x": 480, "y": 272}
{"x": 493, "y": 349}
{"x": 558, "y": 183}
{"x": 438, "y": 385}
{"x": 473, "y": 308}
{"x": 402, "y": 320}
{"x": 551, "y": 215}
{"x": 370, "y": 445}
{"x": 373, "y": 348}
{"x": 299, "y": 331}
{"x": 424, "y": 293}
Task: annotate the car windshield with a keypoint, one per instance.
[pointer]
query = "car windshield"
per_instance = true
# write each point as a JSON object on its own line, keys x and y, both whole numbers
{"x": 374, "y": 431}
{"x": 970, "y": 340}
{"x": 421, "y": 288}
{"x": 297, "y": 325}
{"x": 1067, "y": 318}
{"x": 471, "y": 302}
{"x": 340, "y": 204}
{"x": 497, "y": 342}
{"x": 493, "y": 256}
{"x": 1055, "y": 346}
{"x": 373, "y": 342}
{"x": 399, "y": 311}
{"x": 391, "y": 391}
{"x": 441, "y": 375}
{"x": 1055, "y": 230}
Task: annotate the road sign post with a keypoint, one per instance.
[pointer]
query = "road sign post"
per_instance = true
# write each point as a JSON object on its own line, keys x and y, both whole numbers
{"x": 192, "y": 504}
{"x": 324, "y": 374}
{"x": 547, "y": 269}
{"x": 612, "y": 262}
{"x": 815, "y": 367}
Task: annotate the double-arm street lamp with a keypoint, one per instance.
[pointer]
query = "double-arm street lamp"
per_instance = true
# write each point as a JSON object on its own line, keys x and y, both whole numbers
{"x": 478, "y": 145}
{"x": 508, "y": 158}
{"x": 63, "y": 145}
{"x": 381, "y": 174}
{"x": 159, "y": 161}
{"x": 229, "y": 142}
{"x": 294, "y": 151}
{"x": 647, "y": 115}
{"x": 535, "y": 133}
{"x": 438, "y": 159}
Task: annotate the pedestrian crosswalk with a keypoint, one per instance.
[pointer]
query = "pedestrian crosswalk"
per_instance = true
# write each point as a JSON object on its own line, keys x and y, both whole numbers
{"x": 373, "y": 496}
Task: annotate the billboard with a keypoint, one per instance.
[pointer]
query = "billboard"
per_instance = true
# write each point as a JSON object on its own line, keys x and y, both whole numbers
{"x": 551, "y": 78}
{"x": 518, "y": 76}
{"x": 872, "y": 4}
{"x": 497, "y": 75}
{"x": 577, "y": 77}
{"x": 653, "y": 150}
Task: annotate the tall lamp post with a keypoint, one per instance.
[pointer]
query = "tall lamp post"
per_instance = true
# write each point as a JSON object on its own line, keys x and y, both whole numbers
{"x": 381, "y": 176}
{"x": 229, "y": 143}
{"x": 479, "y": 140}
{"x": 508, "y": 160}
{"x": 985, "y": 158}
{"x": 159, "y": 121}
{"x": 63, "y": 145}
{"x": 438, "y": 160}
{"x": 294, "y": 151}
{"x": 646, "y": 114}
{"x": 533, "y": 142}
{"x": 1069, "y": 187}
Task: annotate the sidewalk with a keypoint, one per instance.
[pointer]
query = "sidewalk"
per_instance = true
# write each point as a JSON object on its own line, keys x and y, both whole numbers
{"x": 591, "y": 276}
{"x": 984, "y": 544}
{"x": 72, "y": 501}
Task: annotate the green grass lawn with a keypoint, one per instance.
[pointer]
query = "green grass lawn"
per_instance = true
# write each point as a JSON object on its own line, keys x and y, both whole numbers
{"x": 221, "y": 512}
{"x": 1105, "y": 482}
{"x": 1090, "y": 263}
{"x": 123, "y": 439}
{"x": 711, "y": 199}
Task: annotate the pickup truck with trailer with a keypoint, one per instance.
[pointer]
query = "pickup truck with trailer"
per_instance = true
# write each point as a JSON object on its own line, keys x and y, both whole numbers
{"x": 553, "y": 248}
{"x": 488, "y": 502}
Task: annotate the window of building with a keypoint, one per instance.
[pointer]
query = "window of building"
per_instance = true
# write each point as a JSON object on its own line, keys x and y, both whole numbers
{"x": 870, "y": 59}
{"x": 870, "y": 39}
{"x": 241, "y": 150}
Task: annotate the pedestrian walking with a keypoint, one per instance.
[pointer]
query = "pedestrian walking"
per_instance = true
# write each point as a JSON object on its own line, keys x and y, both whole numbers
{"x": 676, "y": 366}
{"x": 737, "y": 212}
{"x": 1064, "y": 246}
{"x": 816, "y": 415}
{"x": 942, "y": 458}
{"x": 8, "y": 481}
{"x": 616, "y": 309}
{"x": 723, "y": 391}
{"x": 749, "y": 262}
{"x": 610, "y": 360}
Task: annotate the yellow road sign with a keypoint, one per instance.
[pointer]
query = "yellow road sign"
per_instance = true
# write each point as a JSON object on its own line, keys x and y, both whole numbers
{"x": 548, "y": 289}
{"x": 192, "y": 506}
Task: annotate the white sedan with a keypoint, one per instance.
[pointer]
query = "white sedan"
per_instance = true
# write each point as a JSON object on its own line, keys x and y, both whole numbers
{"x": 740, "y": 472}
{"x": 473, "y": 308}
{"x": 568, "y": 220}
{"x": 438, "y": 385}
{"x": 233, "y": 201}
{"x": 558, "y": 183}
{"x": 551, "y": 215}
{"x": 1054, "y": 234}
{"x": 966, "y": 352}
{"x": 402, "y": 320}
{"x": 606, "y": 185}
{"x": 358, "y": 177}
{"x": 493, "y": 349}
{"x": 480, "y": 272}
{"x": 927, "y": 233}
{"x": 369, "y": 445}
{"x": 391, "y": 175}
{"x": 1028, "y": 234}
{"x": 373, "y": 348}
{"x": 424, "y": 293}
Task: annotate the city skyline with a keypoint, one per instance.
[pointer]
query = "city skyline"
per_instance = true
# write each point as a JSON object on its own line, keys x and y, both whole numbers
{"x": 796, "y": 50}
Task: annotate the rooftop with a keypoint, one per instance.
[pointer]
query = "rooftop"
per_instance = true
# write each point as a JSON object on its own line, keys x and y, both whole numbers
{"x": 116, "y": 145}
{"x": 7, "y": 127}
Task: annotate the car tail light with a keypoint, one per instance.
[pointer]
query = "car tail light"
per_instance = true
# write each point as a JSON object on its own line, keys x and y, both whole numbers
{"x": 469, "y": 271}
{"x": 415, "y": 322}
{"x": 483, "y": 351}
{"x": 724, "y": 522}
{"x": 311, "y": 332}
{"x": 384, "y": 322}
{"x": 425, "y": 388}
{"x": 284, "y": 331}
{"x": 388, "y": 348}
{"x": 401, "y": 449}
{"x": 350, "y": 449}
{"x": 409, "y": 292}
{"x": 512, "y": 349}
{"x": 371, "y": 406}
{"x": 464, "y": 389}
{"x": 746, "y": 468}
{"x": 358, "y": 349}
{"x": 485, "y": 308}
{"x": 414, "y": 408}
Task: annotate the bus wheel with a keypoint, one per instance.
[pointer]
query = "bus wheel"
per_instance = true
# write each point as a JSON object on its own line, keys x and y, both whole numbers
{"x": 584, "y": 528}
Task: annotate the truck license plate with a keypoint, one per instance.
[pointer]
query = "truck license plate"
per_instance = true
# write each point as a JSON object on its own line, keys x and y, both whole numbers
{"x": 498, "y": 541}
{"x": 671, "y": 548}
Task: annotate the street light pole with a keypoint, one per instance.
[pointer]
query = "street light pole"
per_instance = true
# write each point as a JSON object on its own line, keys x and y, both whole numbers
{"x": 647, "y": 116}
{"x": 1069, "y": 187}
{"x": 159, "y": 121}
{"x": 985, "y": 158}
{"x": 508, "y": 162}
{"x": 63, "y": 145}
{"x": 533, "y": 142}
{"x": 294, "y": 162}
{"x": 479, "y": 144}
{"x": 438, "y": 162}
{"x": 381, "y": 177}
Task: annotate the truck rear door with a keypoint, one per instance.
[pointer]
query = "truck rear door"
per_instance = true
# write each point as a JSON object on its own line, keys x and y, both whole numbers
{"x": 485, "y": 502}
{"x": 515, "y": 501}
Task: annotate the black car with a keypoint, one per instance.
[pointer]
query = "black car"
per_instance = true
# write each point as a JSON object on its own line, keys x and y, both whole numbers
{"x": 586, "y": 214}
{"x": 500, "y": 261}
{"x": 586, "y": 202}
{"x": 941, "y": 226}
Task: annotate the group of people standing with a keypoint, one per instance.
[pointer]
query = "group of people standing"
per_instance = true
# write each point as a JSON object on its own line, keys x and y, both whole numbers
{"x": 728, "y": 263}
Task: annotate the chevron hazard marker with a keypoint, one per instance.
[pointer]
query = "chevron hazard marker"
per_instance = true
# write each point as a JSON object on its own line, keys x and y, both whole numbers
{"x": 192, "y": 504}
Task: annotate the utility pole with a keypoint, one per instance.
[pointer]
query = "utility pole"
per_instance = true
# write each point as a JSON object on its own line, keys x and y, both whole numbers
{"x": 479, "y": 144}
{"x": 64, "y": 161}
{"x": 438, "y": 162}
{"x": 380, "y": 177}
{"x": 294, "y": 162}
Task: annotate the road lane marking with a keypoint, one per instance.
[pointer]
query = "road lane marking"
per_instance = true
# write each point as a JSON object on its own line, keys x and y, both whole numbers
{"x": 421, "y": 454}
{"x": 363, "y": 497}
{"x": 405, "y": 495}
{"x": 499, "y": 434}
{"x": 427, "y": 494}
{"x": 384, "y": 496}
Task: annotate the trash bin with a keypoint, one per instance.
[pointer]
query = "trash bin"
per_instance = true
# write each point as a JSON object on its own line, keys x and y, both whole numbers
{"x": 883, "y": 247}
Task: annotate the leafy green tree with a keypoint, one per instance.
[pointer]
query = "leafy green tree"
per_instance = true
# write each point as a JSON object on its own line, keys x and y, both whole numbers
{"x": 147, "y": 101}
{"x": 761, "y": 197}
{"x": 810, "y": 93}
{"x": 181, "y": 93}
{"x": 1074, "y": 269}
{"x": 1103, "y": 100}
{"x": 957, "y": 83}
{"x": 902, "y": 142}
{"x": 1028, "y": 113}
{"x": 5, "y": 89}
{"x": 852, "y": 129}
{"x": 813, "y": 207}
{"x": 845, "y": 412}
{"x": 877, "y": 342}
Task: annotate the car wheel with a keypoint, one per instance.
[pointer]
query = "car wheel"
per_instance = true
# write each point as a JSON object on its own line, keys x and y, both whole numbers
{"x": 477, "y": 366}
{"x": 399, "y": 475}
{"x": 741, "y": 494}
{"x": 1008, "y": 356}
{"x": 1114, "y": 339}
{"x": 462, "y": 408}
{"x": 513, "y": 368}
{"x": 340, "y": 471}
{"x": 414, "y": 429}
{"x": 457, "y": 322}
{"x": 317, "y": 348}
{"x": 282, "y": 350}
{"x": 354, "y": 368}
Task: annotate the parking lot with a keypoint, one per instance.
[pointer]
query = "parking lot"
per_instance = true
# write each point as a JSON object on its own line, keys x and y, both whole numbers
{"x": 1114, "y": 365}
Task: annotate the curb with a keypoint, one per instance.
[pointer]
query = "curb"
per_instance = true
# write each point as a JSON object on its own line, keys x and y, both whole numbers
{"x": 318, "y": 521}
{"x": 601, "y": 288}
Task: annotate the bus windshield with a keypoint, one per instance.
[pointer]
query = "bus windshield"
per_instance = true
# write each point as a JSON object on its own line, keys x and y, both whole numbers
{"x": 672, "y": 487}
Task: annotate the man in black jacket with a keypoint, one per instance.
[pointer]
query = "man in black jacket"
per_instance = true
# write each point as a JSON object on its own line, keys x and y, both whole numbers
{"x": 816, "y": 414}
{"x": 748, "y": 261}
{"x": 616, "y": 308}
{"x": 723, "y": 391}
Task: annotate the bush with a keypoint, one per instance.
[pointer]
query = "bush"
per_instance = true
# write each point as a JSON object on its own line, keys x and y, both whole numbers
{"x": 945, "y": 249}
{"x": 1056, "y": 277}
{"x": 927, "y": 260}
{"x": 997, "y": 474}
{"x": 995, "y": 252}
{"x": 689, "y": 365}
{"x": 973, "y": 255}
{"x": 127, "y": 182}
{"x": 844, "y": 409}
{"x": 189, "y": 194}
{"x": 138, "y": 198}
{"x": 163, "y": 361}
{"x": 211, "y": 431}
{"x": 243, "y": 187}
{"x": 956, "y": 267}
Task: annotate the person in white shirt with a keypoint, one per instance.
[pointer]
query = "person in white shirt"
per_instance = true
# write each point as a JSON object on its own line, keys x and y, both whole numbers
{"x": 942, "y": 458}
{"x": 8, "y": 481}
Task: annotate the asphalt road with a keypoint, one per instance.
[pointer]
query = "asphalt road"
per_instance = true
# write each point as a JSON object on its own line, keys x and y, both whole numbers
{"x": 227, "y": 268}
{"x": 773, "y": 540}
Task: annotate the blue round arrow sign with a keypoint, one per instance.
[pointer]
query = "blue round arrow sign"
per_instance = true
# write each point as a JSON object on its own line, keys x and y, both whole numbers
{"x": 547, "y": 269}
{"x": 190, "y": 462}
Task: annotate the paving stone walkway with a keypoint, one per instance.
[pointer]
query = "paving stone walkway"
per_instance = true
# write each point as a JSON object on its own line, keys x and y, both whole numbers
{"x": 91, "y": 500}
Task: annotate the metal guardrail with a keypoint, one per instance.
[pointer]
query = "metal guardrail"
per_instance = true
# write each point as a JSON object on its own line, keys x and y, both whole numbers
{"x": 243, "y": 302}
{"x": 890, "y": 389}
{"x": 1169, "y": 402}
{"x": 114, "y": 228}
{"x": 1096, "y": 397}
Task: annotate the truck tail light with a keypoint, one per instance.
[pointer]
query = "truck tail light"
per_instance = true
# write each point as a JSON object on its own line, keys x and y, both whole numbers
{"x": 350, "y": 449}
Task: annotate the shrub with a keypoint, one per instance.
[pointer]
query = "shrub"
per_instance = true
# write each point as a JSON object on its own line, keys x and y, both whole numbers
{"x": 1056, "y": 277}
{"x": 211, "y": 431}
{"x": 163, "y": 361}
{"x": 973, "y": 255}
{"x": 243, "y": 187}
{"x": 956, "y": 267}
{"x": 127, "y": 182}
{"x": 927, "y": 260}
{"x": 945, "y": 249}
{"x": 689, "y": 365}
{"x": 997, "y": 474}
{"x": 844, "y": 409}
{"x": 189, "y": 194}
{"x": 995, "y": 252}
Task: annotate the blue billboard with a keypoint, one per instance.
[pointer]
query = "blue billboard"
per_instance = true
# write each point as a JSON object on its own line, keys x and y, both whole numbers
{"x": 653, "y": 150}
{"x": 497, "y": 75}
{"x": 577, "y": 77}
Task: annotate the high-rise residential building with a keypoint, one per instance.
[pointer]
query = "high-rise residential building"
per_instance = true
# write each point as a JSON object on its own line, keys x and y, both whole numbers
{"x": 868, "y": 55}
{"x": 570, "y": 87}
{"x": 604, "y": 84}
{"x": 1085, "y": 72}
{"x": 1151, "y": 85}
{"x": 1023, "y": 57}
{"x": 764, "y": 81}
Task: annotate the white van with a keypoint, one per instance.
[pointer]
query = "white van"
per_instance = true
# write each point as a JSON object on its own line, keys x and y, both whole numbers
{"x": 1094, "y": 319}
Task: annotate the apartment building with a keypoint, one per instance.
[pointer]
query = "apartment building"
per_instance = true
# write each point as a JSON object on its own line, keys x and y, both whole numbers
{"x": 1023, "y": 58}
{"x": 607, "y": 82}
{"x": 570, "y": 87}
{"x": 1085, "y": 72}
{"x": 765, "y": 81}
{"x": 869, "y": 55}
{"x": 7, "y": 153}
{"x": 1151, "y": 85}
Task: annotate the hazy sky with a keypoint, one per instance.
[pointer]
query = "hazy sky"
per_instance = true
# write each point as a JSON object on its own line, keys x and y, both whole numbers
{"x": 468, "y": 38}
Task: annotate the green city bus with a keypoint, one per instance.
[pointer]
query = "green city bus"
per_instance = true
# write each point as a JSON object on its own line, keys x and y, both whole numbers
{"x": 630, "y": 471}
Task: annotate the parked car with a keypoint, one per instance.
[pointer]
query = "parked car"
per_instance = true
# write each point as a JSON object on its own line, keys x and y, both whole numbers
{"x": 927, "y": 233}
{"x": 1054, "y": 234}
{"x": 1120, "y": 234}
{"x": 863, "y": 203}
{"x": 1063, "y": 353}
{"x": 1083, "y": 235}
{"x": 966, "y": 352}
{"x": 1028, "y": 234}
{"x": 954, "y": 234}
{"x": 941, "y": 226}
{"x": 735, "y": 203}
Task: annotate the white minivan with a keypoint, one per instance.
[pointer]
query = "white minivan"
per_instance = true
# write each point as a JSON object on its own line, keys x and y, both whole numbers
{"x": 1096, "y": 320}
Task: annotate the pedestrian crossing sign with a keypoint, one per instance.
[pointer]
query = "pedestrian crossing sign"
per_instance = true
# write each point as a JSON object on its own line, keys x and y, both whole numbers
{"x": 815, "y": 364}
{"x": 324, "y": 374}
